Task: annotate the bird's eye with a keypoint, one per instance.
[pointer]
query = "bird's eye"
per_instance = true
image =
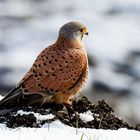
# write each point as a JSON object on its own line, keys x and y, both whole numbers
{"x": 81, "y": 30}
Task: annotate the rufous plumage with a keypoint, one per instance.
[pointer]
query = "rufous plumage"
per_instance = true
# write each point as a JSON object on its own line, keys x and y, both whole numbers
{"x": 58, "y": 73}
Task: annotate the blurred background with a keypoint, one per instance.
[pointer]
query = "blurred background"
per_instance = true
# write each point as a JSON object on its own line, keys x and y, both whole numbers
{"x": 113, "y": 45}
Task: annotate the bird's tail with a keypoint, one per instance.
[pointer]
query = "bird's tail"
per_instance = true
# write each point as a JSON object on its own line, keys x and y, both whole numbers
{"x": 11, "y": 99}
{"x": 17, "y": 98}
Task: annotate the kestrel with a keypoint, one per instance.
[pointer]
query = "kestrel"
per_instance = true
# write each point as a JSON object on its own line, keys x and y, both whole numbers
{"x": 58, "y": 73}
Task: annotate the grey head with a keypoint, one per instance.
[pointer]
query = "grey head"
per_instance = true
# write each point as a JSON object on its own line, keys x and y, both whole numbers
{"x": 73, "y": 30}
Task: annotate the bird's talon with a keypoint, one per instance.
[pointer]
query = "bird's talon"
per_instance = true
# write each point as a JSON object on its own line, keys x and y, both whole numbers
{"x": 68, "y": 107}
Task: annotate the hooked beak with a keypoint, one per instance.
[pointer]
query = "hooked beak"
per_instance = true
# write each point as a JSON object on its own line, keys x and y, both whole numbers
{"x": 85, "y": 31}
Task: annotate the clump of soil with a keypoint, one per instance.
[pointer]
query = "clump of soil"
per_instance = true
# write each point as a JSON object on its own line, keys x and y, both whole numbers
{"x": 102, "y": 113}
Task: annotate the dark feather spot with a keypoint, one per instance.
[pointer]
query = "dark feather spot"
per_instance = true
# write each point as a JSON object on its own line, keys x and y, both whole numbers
{"x": 54, "y": 75}
{"x": 52, "y": 68}
{"x": 56, "y": 60}
{"x": 36, "y": 75}
{"x": 26, "y": 90}
{"x": 39, "y": 65}
{"x": 46, "y": 71}
{"x": 39, "y": 85}
{"x": 51, "y": 90}
{"x": 50, "y": 62}
{"x": 35, "y": 65}
{"x": 42, "y": 87}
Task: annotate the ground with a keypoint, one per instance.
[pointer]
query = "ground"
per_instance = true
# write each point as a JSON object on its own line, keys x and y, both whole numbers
{"x": 82, "y": 114}
{"x": 81, "y": 121}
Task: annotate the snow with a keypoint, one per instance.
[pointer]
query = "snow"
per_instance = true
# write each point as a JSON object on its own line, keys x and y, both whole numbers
{"x": 60, "y": 131}
{"x": 86, "y": 116}
{"x": 37, "y": 115}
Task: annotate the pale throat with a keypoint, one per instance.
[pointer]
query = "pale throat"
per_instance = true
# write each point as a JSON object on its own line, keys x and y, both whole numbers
{"x": 78, "y": 36}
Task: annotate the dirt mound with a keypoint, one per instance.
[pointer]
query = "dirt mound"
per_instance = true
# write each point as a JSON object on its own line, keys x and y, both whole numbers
{"x": 102, "y": 113}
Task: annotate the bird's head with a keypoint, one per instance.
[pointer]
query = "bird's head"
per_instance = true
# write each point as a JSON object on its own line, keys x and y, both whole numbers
{"x": 73, "y": 30}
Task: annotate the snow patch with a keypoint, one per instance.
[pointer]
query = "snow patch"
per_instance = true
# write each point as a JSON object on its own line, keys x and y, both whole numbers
{"x": 38, "y": 116}
{"x": 86, "y": 116}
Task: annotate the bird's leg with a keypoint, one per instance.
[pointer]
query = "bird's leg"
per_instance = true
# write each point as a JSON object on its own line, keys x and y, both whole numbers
{"x": 67, "y": 107}
{"x": 70, "y": 99}
{"x": 68, "y": 104}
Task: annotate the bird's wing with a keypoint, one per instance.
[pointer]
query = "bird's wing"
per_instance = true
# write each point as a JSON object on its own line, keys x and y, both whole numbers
{"x": 54, "y": 70}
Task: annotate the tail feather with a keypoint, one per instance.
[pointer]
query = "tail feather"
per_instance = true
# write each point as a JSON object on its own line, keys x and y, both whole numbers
{"x": 10, "y": 100}
{"x": 5, "y": 111}
{"x": 17, "y": 98}
{"x": 12, "y": 92}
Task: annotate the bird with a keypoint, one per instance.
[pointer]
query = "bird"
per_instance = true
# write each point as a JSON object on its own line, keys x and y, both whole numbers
{"x": 57, "y": 75}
